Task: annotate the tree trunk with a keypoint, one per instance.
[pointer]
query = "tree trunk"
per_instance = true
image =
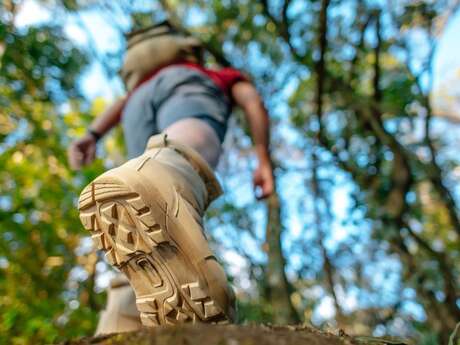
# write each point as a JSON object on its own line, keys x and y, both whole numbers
{"x": 279, "y": 288}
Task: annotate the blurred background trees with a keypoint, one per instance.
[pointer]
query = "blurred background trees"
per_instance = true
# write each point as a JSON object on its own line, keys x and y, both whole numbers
{"x": 363, "y": 232}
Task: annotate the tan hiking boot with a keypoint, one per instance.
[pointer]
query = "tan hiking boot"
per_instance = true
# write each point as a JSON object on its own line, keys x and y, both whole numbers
{"x": 146, "y": 215}
{"x": 121, "y": 314}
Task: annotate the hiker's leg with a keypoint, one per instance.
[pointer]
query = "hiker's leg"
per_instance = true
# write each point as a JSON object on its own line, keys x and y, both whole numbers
{"x": 198, "y": 135}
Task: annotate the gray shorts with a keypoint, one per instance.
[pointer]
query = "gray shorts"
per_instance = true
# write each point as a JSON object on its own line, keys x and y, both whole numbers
{"x": 177, "y": 92}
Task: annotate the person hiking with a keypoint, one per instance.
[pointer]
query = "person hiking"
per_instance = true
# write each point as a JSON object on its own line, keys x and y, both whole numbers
{"x": 146, "y": 215}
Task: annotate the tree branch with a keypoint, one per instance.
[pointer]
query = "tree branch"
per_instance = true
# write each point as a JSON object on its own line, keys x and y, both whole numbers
{"x": 362, "y": 30}
{"x": 436, "y": 311}
{"x": 450, "y": 289}
{"x": 320, "y": 65}
{"x": 282, "y": 27}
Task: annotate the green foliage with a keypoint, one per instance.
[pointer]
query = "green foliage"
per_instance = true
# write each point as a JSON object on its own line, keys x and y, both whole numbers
{"x": 254, "y": 312}
{"x": 38, "y": 220}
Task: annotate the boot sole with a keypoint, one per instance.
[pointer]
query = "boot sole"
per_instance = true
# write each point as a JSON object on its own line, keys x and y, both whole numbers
{"x": 135, "y": 238}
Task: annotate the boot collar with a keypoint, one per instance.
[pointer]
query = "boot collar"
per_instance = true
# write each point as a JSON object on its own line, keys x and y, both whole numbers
{"x": 213, "y": 186}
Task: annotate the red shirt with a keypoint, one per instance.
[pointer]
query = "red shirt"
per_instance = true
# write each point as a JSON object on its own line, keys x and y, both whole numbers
{"x": 224, "y": 78}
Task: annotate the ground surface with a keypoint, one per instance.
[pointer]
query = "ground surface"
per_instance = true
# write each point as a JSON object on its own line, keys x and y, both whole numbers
{"x": 233, "y": 335}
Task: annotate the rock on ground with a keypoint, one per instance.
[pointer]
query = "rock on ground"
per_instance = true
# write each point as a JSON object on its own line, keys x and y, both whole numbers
{"x": 233, "y": 335}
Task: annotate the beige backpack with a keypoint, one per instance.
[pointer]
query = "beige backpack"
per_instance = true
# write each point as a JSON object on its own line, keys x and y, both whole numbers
{"x": 155, "y": 47}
